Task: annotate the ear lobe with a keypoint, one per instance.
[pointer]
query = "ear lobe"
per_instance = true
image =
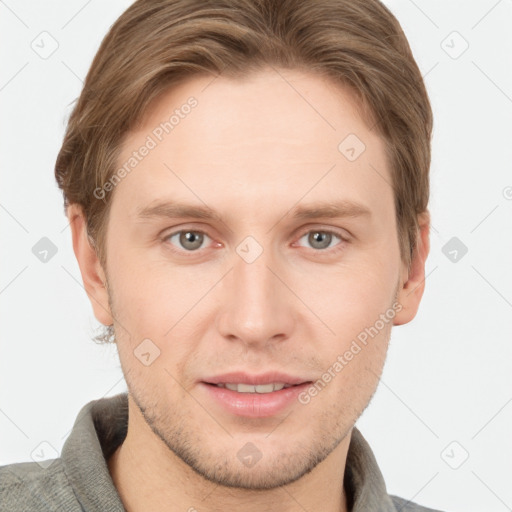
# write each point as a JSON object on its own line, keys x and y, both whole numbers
{"x": 411, "y": 292}
{"x": 92, "y": 272}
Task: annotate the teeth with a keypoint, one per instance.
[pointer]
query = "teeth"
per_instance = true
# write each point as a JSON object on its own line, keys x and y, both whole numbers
{"x": 249, "y": 388}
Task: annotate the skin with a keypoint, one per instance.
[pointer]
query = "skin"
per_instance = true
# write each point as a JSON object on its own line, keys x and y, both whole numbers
{"x": 252, "y": 150}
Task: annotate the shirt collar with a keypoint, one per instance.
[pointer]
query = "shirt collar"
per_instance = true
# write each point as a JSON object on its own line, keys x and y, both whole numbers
{"x": 99, "y": 428}
{"x": 364, "y": 483}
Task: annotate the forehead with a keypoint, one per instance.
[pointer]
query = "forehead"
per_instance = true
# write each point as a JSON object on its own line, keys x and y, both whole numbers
{"x": 274, "y": 108}
{"x": 269, "y": 135}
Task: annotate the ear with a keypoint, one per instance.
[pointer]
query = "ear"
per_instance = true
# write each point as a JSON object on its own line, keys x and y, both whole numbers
{"x": 411, "y": 291}
{"x": 92, "y": 272}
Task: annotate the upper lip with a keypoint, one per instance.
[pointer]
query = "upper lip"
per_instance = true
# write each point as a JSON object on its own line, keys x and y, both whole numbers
{"x": 262, "y": 378}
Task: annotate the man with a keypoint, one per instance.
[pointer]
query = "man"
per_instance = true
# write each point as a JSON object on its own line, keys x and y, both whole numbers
{"x": 247, "y": 187}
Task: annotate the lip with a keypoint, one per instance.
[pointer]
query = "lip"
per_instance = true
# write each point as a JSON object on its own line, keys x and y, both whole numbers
{"x": 263, "y": 378}
{"x": 253, "y": 405}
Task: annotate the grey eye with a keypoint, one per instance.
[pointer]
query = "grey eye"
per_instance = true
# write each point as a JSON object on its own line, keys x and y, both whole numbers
{"x": 189, "y": 240}
{"x": 320, "y": 239}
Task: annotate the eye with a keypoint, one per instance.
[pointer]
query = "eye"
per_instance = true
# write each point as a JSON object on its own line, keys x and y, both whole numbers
{"x": 321, "y": 239}
{"x": 188, "y": 239}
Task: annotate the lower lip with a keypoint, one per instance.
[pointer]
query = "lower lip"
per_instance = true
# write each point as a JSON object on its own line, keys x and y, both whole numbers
{"x": 254, "y": 405}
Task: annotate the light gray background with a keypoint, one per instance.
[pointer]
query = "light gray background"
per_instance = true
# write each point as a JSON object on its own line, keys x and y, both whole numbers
{"x": 448, "y": 376}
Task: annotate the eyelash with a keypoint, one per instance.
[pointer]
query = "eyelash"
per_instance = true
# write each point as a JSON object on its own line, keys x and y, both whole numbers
{"x": 329, "y": 250}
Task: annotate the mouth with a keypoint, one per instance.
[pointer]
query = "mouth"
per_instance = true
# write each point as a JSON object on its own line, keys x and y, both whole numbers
{"x": 261, "y": 395}
{"x": 255, "y": 388}
{"x": 238, "y": 397}
{"x": 263, "y": 383}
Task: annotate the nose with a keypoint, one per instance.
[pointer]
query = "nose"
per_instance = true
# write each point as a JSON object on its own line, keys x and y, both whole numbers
{"x": 257, "y": 307}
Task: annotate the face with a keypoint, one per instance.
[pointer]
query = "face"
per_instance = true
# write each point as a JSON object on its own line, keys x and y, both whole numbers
{"x": 291, "y": 276}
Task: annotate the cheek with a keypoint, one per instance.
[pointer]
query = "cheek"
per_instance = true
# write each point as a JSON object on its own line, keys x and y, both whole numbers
{"x": 159, "y": 300}
{"x": 350, "y": 297}
{"x": 154, "y": 313}
{"x": 353, "y": 361}
{"x": 356, "y": 303}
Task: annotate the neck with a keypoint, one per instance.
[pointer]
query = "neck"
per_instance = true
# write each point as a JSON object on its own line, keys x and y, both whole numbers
{"x": 148, "y": 476}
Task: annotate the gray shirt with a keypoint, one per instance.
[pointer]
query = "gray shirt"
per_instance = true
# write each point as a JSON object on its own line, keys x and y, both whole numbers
{"x": 79, "y": 480}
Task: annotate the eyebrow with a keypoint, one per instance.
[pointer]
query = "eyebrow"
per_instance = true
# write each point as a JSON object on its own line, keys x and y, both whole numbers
{"x": 337, "y": 209}
{"x": 176, "y": 210}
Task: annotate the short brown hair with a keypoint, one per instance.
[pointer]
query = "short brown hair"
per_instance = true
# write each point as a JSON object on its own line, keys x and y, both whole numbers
{"x": 156, "y": 44}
